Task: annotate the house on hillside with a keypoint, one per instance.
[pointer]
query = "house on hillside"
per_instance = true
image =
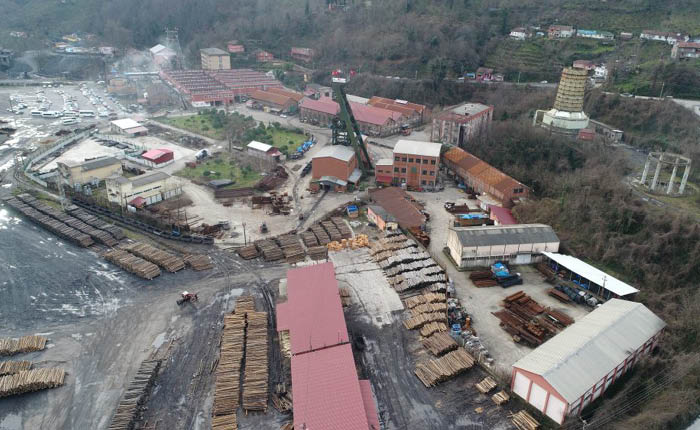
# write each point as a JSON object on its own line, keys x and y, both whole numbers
{"x": 595, "y": 34}
{"x": 304, "y": 54}
{"x": 264, "y": 56}
{"x": 685, "y": 50}
{"x": 560, "y": 31}
{"x": 586, "y": 65}
{"x": 663, "y": 36}
{"x": 519, "y": 33}
{"x": 484, "y": 74}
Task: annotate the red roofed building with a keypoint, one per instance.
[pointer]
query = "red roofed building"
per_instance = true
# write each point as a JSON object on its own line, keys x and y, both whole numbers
{"x": 303, "y": 54}
{"x": 685, "y": 50}
{"x": 264, "y": 56}
{"x": 326, "y": 391}
{"x": 235, "y": 48}
{"x": 413, "y": 113}
{"x": 373, "y": 121}
{"x": 501, "y": 216}
{"x": 158, "y": 157}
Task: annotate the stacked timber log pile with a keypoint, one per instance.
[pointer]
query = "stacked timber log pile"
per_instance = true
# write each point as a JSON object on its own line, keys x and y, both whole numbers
{"x": 446, "y": 367}
{"x": 90, "y": 219}
{"x": 432, "y": 327}
{"x": 291, "y": 248}
{"x": 420, "y": 320}
{"x": 269, "y": 250}
{"x": 344, "y": 296}
{"x": 429, "y": 308}
{"x": 22, "y": 345}
{"x": 132, "y": 263}
{"x": 248, "y": 252}
{"x": 228, "y": 371}
{"x": 255, "y": 379}
{"x": 320, "y": 234}
{"x": 26, "y": 381}
{"x": 410, "y": 282}
{"x": 281, "y": 399}
{"x": 342, "y": 227}
{"x": 135, "y": 395}
{"x": 98, "y": 236}
{"x": 500, "y": 398}
{"x": 414, "y": 301}
{"x": 486, "y": 385}
{"x": 198, "y": 262}
{"x": 318, "y": 252}
{"x": 10, "y": 367}
{"x": 440, "y": 343}
{"x": 309, "y": 239}
{"x": 224, "y": 422}
{"x": 49, "y": 218}
{"x": 359, "y": 241}
{"x": 524, "y": 421}
{"x": 166, "y": 260}
{"x": 332, "y": 231}
{"x": 245, "y": 303}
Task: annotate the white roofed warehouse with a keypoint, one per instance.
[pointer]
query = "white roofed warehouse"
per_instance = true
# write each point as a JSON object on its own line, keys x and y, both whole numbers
{"x": 575, "y": 367}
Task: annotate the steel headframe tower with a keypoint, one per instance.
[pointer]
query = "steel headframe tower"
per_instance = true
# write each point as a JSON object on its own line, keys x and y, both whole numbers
{"x": 172, "y": 41}
{"x": 345, "y": 129}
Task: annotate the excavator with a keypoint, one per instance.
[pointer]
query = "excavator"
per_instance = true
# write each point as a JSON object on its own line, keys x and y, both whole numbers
{"x": 187, "y": 297}
{"x": 344, "y": 126}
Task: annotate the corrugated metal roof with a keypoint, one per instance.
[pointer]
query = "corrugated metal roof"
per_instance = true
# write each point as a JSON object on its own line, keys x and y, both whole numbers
{"x": 370, "y": 407}
{"x": 324, "y": 104}
{"x": 505, "y": 234}
{"x": 271, "y": 97}
{"x": 214, "y": 51}
{"x": 416, "y": 147}
{"x": 336, "y": 151}
{"x": 97, "y": 163}
{"x": 482, "y": 170}
{"x": 326, "y": 391}
{"x": 126, "y": 123}
{"x": 355, "y": 176}
{"x": 153, "y": 154}
{"x": 398, "y": 204}
{"x": 581, "y": 355}
{"x": 313, "y": 313}
{"x": 264, "y": 147}
{"x": 148, "y": 178}
{"x": 503, "y": 215}
{"x": 593, "y": 274}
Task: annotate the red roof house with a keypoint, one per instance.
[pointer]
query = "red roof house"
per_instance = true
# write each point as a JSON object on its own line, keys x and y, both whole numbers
{"x": 158, "y": 157}
{"x": 502, "y": 216}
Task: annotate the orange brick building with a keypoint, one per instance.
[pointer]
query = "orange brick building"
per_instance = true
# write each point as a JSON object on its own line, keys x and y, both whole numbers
{"x": 334, "y": 168}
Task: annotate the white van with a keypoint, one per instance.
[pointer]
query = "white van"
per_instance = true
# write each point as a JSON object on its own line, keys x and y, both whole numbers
{"x": 86, "y": 113}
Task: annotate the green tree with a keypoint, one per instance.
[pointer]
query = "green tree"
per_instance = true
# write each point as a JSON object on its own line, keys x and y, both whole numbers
{"x": 438, "y": 70}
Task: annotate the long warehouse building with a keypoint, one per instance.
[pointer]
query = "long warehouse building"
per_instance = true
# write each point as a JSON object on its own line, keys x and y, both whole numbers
{"x": 516, "y": 243}
{"x": 575, "y": 367}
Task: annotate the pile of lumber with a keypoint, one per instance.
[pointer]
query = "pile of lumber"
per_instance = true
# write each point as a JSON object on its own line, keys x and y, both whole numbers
{"x": 332, "y": 231}
{"x": 417, "y": 281}
{"x": 281, "y": 399}
{"x": 166, "y": 260}
{"x": 291, "y": 248}
{"x": 98, "y": 236}
{"x": 560, "y": 317}
{"x": 500, "y": 398}
{"x": 527, "y": 321}
{"x": 224, "y": 422}
{"x": 248, "y": 252}
{"x": 244, "y": 303}
{"x": 359, "y": 241}
{"x": 132, "y": 264}
{"x": 446, "y": 367}
{"x": 562, "y": 297}
{"x": 255, "y": 380}
{"x": 321, "y": 235}
{"x": 486, "y": 385}
{"x": 524, "y": 421}
{"x": 318, "y": 252}
{"x": 412, "y": 302}
{"x": 135, "y": 395}
{"x": 309, "y": 239}
{"x": 420, "y": 320}
{"x": 483, "y": 279}
{"x": 344, "y": 296}
{"x": 199, "y": 262}
{"x": 10, "y": 367}
{"x": 26, "y": 381}
{"x": 228, "y": 371}
{"x": 269, "y": 250}
{"x": 432, "y": 327}
{"x": 22, "y": 345}
{"x": 440, "y": 343}
{"x": 342, "y": 227}
{"x": 427, "y": 308}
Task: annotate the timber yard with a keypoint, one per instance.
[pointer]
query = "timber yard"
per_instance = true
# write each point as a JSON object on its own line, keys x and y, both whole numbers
{"x": 228, "y": 253}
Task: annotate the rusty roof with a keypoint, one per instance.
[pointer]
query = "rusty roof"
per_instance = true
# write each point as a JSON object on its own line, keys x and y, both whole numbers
{"x": 270, "y": 97}
{"x": 481, "y": 170}
{"x": 399, "y": 204}
{"x": 285, "y": 92}
{"x": 402, "y": 104}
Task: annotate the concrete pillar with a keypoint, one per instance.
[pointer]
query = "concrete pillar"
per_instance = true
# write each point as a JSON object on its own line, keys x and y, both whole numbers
{"x": 646, "y": 170}
{"x": 673, "y": 178}
{"x": 685, "y": 178}
{"x": 656, "y": 173}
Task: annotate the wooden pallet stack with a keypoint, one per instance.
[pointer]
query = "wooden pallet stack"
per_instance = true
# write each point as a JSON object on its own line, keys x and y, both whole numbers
{"x": 439, "y": 343}
{"x": 486, "y": 385}
{"x": 524, "y": 421}
{"x": 135, "y": 395}
{"x": 309, "y": 239}
{"x": 166, "y": 260}
{"x": 318, "y": 252}
{"x": 132, "y": 264}
{"x": 342, "y": 227}
{"x": 26, "y": 381}
{"x": 10, "y": 367}
{"x": 269, "y": 250}
{"x": 22, "y": 345}
{"x": 446, "y": 367}
{"x": 255, "y": 379}
{"x": 228, "y": 371}
{"x": 248, "y": 252}
{"x": 198, "y": 262}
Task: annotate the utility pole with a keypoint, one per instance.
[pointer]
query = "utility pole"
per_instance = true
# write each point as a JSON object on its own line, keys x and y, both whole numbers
{"x": 518, "y": 76}
{"x": 245, "y": 241}
{"x": 661, "y": 94}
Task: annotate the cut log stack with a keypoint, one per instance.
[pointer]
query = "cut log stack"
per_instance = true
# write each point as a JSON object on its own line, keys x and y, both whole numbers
{"x": 10, "y": 367}
{"x": 26, "y": 381}
{"x": 198, "y": 262}
{"x": 244, "y": 303}
{"x": 412, "y": 302}
{"x": 342, "y": 227}
{"x": 524, "y": 421}
{"x": 136, "y": 394}
{"x": 359, "y": 241}
{"x": 318, "y": 252}
{"x": 321, "y": 235}
{"x": 500, "y": 398}
{"x": 309, "y": 239}
{"x": 269, "y": 250}
{"x": 22, "y": 345}
{"x": 432, "y": 327}
{"x": 248, "y": 252}
{"x": 446, "y": 367}
{"x": 426, "y": 308}
{"x": 132, "y": 264}
{"x": 440, "y": 343}
{"x": 255, "y": 379}
{"x": 291, "y": 248}
{"x": 228, "y": 371}
{"x": 344, "y": 296}
{"x": 486, "y": 385}
{"x": 420, "y": 320}
{"x": 332, "y": 231}
{"x": 166, "y": 260}
{"x": 224, "y": 422}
